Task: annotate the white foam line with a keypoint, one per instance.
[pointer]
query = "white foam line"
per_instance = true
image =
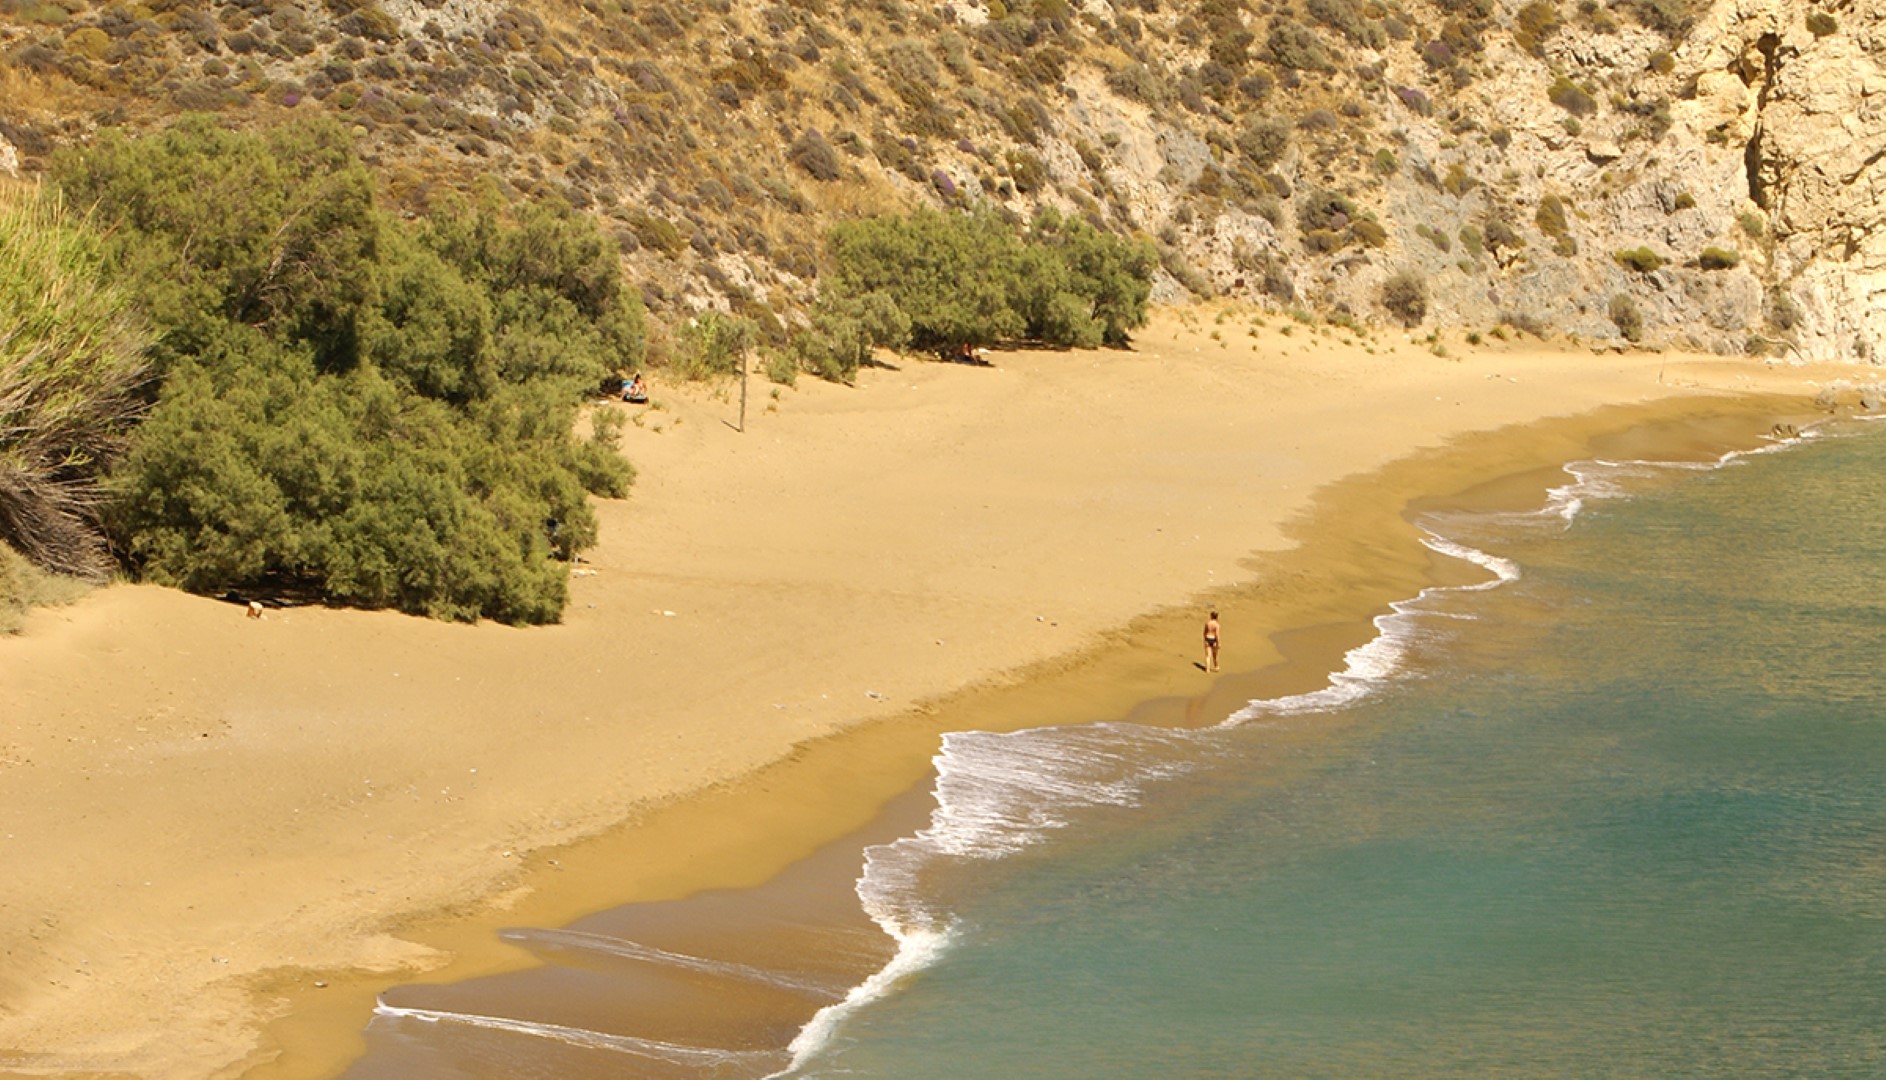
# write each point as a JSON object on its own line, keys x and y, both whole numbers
{"x": 632, "y": 950}
{"x": 996, "y": 794}
{"x": 653, "y": 1049}
{"x": 916, "y": 950}
{"x": 999, "y": 793}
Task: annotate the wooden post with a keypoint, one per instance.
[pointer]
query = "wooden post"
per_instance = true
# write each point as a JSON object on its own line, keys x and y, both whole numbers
{"x": 743, "y": 392}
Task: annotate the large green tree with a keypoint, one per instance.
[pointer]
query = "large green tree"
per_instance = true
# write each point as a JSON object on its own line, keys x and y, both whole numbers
{"x": 367, "y": 411}
{"x": 943, "y": 280}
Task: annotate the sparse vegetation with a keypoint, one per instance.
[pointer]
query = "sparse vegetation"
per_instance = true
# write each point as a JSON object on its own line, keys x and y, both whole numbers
{"x": 1550, "y": 217}
{"x": 1405, "y": 296}
{"x": 1534, "y": 24}
{"x": 1784, "y": 314}
{"x": 1626, "y": 317}
{"x": 1571, "y": 97}
{"x": 1263, "y": 141}
{"x": 1640, "y": 260}
{"x": 1715, "y": 258}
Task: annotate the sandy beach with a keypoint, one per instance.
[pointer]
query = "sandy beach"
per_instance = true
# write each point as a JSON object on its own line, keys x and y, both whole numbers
{"x": 224, "y": 836}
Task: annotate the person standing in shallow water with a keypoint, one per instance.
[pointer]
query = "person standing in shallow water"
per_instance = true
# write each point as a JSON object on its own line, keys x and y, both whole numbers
{"x": 1211, "y": 642}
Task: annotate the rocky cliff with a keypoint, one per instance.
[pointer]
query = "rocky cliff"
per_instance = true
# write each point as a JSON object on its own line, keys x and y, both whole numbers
{"x": 1662, "y": 171}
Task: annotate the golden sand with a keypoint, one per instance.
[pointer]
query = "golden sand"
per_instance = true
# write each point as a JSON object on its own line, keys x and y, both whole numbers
{"x": 204, "y": 815}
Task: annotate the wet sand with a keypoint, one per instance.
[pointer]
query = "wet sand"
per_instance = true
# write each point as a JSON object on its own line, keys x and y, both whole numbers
{"x": 357, "y": 798}
{"x": 1357, "y": 550}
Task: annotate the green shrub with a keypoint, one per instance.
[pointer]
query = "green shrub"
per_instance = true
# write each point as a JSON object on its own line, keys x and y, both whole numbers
{"x": 1263, "y": 141}
{"x": 781, "y": 367}
{"x": 1752, "y": 223}
{"x": 1534, "y": 24}
{"x": 712, "y": 343}
{"x": 1669, "y": 17}
{"x": 1385, "y": 162}
{"x": 969, "y": 279}
{"x": 1501, "y": 236}
{"x": 1405, "y": 296}
{"x": 1626, "y": 317}
{"x": 1715, "y": 258}
{"x": 1571, "y": 97}
{"x": 1347, "y": 18}
{"x": 813, "y": 154}
{"x": 657, "y": 232}
{"x": 354, "y": 409}
{"x": 844, "y": 330}
{"x": 1640, "y": 260}
{"x": 1550, "y": 217}
{"x": 1820, "y": 23}
{"x": 1457, "y": 183}
{"x": 1026, "y": 170}
{"x": 1295, "y": 47}
{"x": 1138, "y": 82}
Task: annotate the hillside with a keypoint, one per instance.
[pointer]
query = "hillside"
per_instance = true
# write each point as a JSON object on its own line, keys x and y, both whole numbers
{"x": 1675, "y": 173}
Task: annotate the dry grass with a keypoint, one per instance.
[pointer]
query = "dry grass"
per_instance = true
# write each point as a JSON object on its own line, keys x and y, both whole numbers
{"x": 25, "y": 91}
{"x": 24, "y": 587}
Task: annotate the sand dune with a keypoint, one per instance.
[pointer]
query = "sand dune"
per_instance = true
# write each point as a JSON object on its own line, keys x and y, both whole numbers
{"x": 198, "y": 810}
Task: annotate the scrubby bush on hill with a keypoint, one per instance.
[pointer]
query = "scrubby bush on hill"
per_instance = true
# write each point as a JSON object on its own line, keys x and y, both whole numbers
{"x": 970, "y": 278}
{"x": 353, "y": 409}
{"x": 71, "y": 367}
{"x": 1405, "y": 295}
{"x": 1626, "y": 317}
{"x": 1639, "y": 259}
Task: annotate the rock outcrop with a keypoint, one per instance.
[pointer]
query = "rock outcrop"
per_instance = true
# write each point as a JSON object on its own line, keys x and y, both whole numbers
{"x": 1664, "y": 172}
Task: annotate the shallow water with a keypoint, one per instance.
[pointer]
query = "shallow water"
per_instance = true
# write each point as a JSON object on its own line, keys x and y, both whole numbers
{"x": 1619, "y": 816}
{"x": 1615, "y": 812}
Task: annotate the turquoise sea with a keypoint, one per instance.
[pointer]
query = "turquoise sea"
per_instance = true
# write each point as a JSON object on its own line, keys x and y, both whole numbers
{"x": 1620, "y": 811}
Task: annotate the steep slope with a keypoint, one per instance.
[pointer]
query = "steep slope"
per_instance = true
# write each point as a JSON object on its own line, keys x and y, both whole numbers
{"x": 1670, "y": 172}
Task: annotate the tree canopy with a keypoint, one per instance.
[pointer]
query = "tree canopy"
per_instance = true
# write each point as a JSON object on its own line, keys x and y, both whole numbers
{"x": 373, "y": 412}
{"x": 942, "y": 280}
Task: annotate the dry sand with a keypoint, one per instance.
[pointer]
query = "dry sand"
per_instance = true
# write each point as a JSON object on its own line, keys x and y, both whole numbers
{"x": 202, "y": 815}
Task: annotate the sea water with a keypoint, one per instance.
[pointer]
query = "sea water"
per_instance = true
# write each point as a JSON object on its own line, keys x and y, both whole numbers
{"x": 1621, "y": 813}
{"x": 1617, "y": 810}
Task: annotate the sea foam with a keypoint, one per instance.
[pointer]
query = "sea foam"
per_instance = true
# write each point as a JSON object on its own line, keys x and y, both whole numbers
{"x": 648, "y": 954}
{"x": 695, "y": 1057}
{"x": 998, "y": 793}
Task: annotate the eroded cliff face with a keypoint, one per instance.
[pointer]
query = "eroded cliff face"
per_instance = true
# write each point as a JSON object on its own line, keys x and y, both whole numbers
{"x": 1660, "y": 172}
{"x": 1716, "y": 189}
{"x": 1816, "y": 118}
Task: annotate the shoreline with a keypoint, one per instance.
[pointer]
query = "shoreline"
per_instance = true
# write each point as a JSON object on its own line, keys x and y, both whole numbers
{"x": 1087, "y": 688}
{"x": 397, "y": 889}
{"x": 896, "y": 752}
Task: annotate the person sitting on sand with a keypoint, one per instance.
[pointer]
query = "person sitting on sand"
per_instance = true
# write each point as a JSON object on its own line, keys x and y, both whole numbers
{"x": 1211, "y": 642}
{"x": 635, "y": 391}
